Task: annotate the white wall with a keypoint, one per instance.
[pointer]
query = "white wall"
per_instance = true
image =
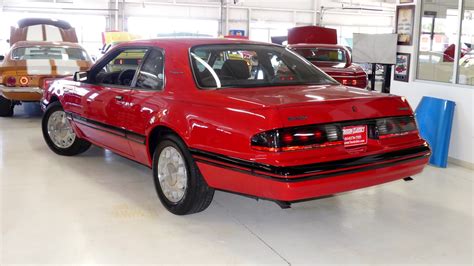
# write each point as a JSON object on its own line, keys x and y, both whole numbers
{"x": 269, "y": 14}
{"x": 462, "y": 135}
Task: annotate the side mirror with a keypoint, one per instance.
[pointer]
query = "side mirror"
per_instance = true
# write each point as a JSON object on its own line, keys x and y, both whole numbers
{"x": 81, "y": 76}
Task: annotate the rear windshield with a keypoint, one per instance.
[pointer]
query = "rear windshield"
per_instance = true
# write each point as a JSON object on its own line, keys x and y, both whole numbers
{"x": 249, "y": 65}
{"x": 45, "y": 52}
{"x": 323, "y": 54}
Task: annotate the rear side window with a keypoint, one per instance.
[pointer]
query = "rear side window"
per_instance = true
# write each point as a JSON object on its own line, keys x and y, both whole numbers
{"x": 151, "y": 73}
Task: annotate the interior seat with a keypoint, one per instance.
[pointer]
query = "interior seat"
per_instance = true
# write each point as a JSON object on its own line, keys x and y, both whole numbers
{"x": 237, "y": 69}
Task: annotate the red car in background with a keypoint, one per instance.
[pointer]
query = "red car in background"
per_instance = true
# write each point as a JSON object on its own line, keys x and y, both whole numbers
{"x": 203, "y": 116}
{"x": 335, "y": 60}
{"x": 319, "y": 46}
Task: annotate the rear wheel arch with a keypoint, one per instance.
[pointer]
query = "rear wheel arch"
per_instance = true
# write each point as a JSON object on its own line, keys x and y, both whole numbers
{"x": 169, "y": 181}
{"x": 53, "y": 99}
{"x": 155, "y": 135}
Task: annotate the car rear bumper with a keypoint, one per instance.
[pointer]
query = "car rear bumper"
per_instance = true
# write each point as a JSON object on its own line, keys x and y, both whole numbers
{"x": 21, "y": 93}
{"x": 309, "y": 181}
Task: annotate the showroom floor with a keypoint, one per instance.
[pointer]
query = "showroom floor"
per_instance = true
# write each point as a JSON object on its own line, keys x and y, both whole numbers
{"x": 102, "y": 208}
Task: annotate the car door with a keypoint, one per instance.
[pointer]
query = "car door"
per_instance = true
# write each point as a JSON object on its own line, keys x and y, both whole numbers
{"x": 106, "y": 99}
{"x": 146, "y": 99}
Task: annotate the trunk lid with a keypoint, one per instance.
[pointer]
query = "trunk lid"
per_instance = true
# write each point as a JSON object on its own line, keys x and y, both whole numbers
{"x": 303, "y": 105}
{"x": 344, "y": 109}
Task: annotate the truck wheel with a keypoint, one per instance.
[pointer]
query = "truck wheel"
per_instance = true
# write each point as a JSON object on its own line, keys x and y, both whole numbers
{"x": 178, "y": 181}
{"x": 6, "y": 107}
{"x": 59, "y": 134}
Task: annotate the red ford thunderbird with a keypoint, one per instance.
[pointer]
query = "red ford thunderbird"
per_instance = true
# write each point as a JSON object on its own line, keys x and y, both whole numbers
{"x": 232, "y": 115}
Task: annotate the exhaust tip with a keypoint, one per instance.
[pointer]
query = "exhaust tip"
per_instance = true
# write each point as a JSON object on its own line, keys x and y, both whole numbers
{"x": 283, "y": 204}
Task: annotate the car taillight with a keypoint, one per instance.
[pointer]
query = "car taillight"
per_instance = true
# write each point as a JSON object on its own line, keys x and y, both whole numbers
{"x": 320, "y": 136}
{"x": 395, "y": 126}
{"x": 292, "y": 139}
{"x": 24, "y": 81}
{"x": 349, "y": 82}
{"x": 10, "y": 82}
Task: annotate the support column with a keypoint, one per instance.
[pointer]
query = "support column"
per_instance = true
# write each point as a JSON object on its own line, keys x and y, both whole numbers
{"x": 317, "y": 15}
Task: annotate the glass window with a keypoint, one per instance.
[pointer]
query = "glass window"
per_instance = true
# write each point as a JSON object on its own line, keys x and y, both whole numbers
{"x": 151, "y": 73}
{"x": 49, "y": 52}
{"x": 245, "y": 65}
{"x": 121, "y": 69}
{"x": 466, "y": 54}
{"x": 329, "y": 55}
{"x": 438, "y": 38}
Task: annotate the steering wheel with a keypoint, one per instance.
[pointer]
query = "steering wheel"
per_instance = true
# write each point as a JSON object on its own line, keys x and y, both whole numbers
{"x": 125, "y": 77}
{"x": 106, "y": 78}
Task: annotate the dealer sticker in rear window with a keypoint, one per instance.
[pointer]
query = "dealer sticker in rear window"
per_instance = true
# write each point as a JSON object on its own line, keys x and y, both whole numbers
{"x": 355, "y": 135}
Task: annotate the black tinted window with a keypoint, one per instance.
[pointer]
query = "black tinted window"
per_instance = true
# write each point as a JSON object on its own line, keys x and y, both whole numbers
{"x": 151, "y": 74}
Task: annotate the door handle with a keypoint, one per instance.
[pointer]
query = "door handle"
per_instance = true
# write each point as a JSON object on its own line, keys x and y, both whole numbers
{"x": 119, "y": 98}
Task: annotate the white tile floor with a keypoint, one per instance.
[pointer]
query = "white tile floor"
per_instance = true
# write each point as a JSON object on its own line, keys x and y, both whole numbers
{"x": 102, "y": 208}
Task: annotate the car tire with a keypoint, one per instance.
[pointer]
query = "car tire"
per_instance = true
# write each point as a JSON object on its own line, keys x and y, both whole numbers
{"x": 196, "y": 195}
{"x": 6, "y": 107}
{"x": 73, "y": 145}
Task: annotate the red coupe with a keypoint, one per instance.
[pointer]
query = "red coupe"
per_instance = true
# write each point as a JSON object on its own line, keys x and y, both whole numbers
{"x": 232, "y": 115}
{"x": 335, "y": 60}
{"x": 319, "y": 46}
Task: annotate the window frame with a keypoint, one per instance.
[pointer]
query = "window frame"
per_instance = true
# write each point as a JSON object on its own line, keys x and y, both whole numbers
{"x": 107, "y": 58}
{"x": 134, "y": 80}
{"x": 457, "y": 51}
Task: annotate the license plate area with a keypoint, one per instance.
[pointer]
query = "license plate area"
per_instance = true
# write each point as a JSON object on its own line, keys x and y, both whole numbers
{"x": 354, "y": 135}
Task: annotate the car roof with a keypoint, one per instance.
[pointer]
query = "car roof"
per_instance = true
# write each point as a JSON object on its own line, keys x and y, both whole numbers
{"x": 26, "y": 22}
{"x": 190, "y": 42}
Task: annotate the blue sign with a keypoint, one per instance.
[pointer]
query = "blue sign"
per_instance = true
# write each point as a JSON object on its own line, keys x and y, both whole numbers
{"x": 237, "y": 32}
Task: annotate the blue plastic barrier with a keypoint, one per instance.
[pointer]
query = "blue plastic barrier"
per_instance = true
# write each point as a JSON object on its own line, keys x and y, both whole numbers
{"x": 435, "y": 119}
